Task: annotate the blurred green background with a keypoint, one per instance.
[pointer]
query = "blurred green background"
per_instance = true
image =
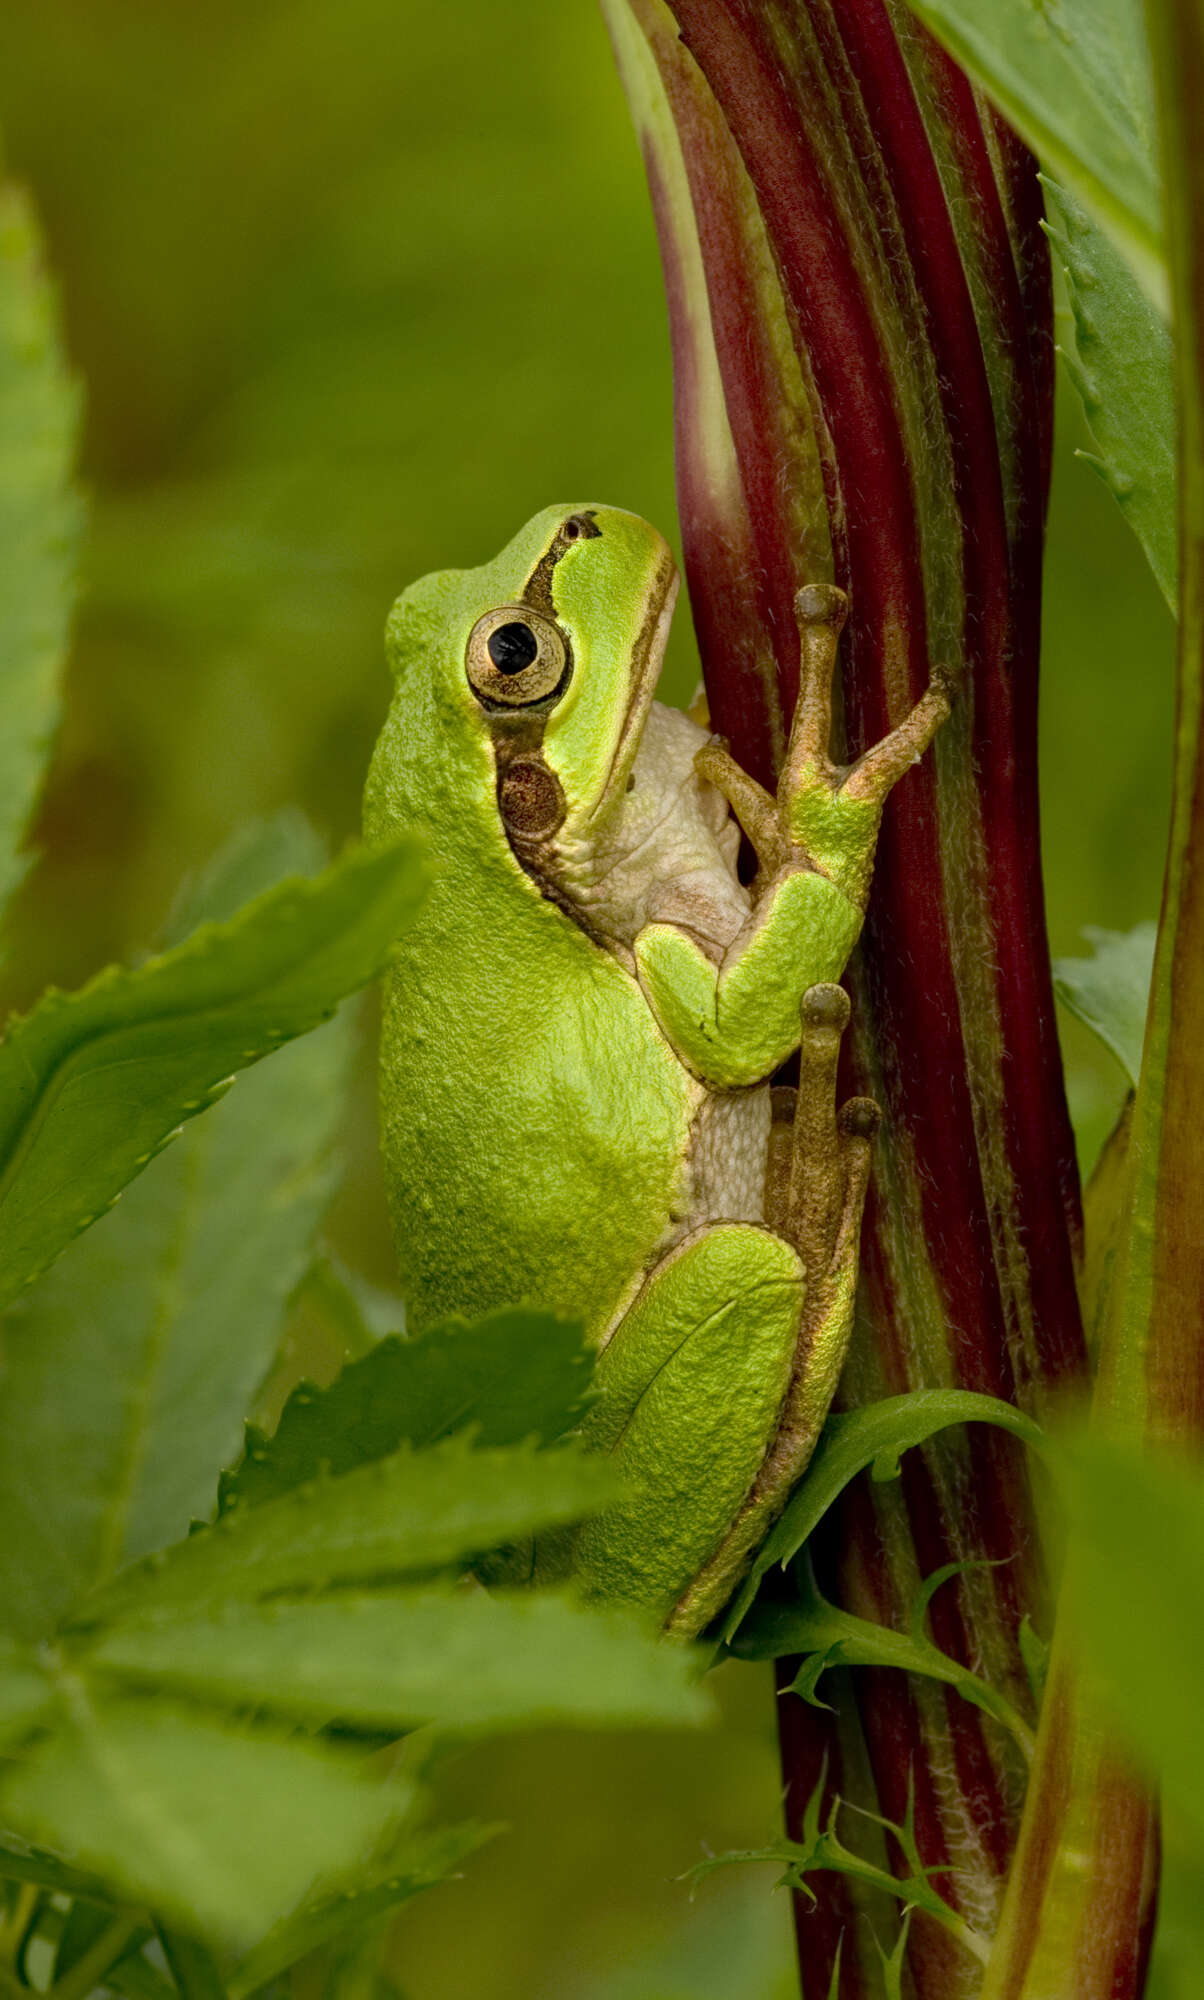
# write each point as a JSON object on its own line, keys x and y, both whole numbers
{"x": 355, "y": 288}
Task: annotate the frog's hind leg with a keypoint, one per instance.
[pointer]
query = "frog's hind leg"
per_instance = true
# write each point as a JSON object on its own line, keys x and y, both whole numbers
{"x": 819, "y": 1165}
{"x": 694, "y": 1381}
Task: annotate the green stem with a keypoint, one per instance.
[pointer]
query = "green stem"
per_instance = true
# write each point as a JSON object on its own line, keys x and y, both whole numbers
{"x": 192, "y": 1966}
{"x": 88, "y": 1971}
{"x": 17, "y": 1923}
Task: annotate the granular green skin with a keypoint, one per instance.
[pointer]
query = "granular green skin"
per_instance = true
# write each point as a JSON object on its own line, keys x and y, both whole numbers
{"x": 587, "y": 984}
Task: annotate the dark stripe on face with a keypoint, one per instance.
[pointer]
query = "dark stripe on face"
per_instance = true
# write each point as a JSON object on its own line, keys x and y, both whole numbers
{"x": 537, "y": 592}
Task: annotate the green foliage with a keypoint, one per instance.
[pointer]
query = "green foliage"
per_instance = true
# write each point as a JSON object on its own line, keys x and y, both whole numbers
{"x": 39, "y": 522}
{"x": 1073, "y": 77}
{"x": 94, "y": 1083}
{"x": 414, "y": 1862}
{"x": 874, "y": 1436}
{"x": 155, "y": 1761}
{"x": 832, "y": 1637}
{"x": 243, "y": 557}
{"x": 191, "y": 1966}
{"x": 1122, "y": 368}
{"x": 25, "y": 1693}
{"x": 130, "y": 1367}
{"x": 510, "y": 1376}
{"x": 219, "y": 1826}
{"x": 1110, "y": 991}
{"x": 152, "y": 1759}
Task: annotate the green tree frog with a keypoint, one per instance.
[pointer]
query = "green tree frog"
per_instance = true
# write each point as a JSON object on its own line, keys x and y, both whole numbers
{"x": 580, "y": 1033}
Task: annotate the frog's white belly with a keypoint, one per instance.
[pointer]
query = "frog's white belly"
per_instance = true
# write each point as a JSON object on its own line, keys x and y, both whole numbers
{"x": 670, "y": 851}
{"x": 729, "y": 1152}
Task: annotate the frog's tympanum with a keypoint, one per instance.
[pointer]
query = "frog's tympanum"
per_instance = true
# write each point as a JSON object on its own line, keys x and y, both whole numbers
{"x": 580, "y": 1032}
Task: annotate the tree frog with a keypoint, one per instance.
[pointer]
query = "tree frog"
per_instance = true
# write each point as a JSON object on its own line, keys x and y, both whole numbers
{"x": 580, "y": 1033}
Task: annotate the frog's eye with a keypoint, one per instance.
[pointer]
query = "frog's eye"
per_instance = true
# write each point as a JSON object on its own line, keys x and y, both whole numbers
{"x": 515, "y": 656}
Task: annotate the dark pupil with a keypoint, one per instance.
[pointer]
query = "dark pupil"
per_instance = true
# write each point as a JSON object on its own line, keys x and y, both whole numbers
{"x": 512, "y": 647}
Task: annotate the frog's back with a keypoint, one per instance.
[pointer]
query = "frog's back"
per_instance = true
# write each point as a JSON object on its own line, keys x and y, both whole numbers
{"x": 536, "y": 1123}
{"x": 536, "y": 1120}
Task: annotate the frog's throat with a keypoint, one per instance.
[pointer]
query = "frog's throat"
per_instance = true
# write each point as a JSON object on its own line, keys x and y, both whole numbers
{"x": 647, "y": 658}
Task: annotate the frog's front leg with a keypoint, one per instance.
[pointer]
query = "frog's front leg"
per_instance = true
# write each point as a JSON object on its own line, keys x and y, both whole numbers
{"x": 735, "y": 1018}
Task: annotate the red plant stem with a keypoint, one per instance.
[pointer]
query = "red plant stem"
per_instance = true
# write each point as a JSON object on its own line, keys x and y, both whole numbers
{"x": 874, "y": 306}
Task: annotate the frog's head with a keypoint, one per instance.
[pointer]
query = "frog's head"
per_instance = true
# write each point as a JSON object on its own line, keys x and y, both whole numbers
{"x": 545, "y": 662}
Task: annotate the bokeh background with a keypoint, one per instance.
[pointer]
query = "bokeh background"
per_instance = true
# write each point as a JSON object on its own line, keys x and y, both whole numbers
{"x": 355, "y": 288}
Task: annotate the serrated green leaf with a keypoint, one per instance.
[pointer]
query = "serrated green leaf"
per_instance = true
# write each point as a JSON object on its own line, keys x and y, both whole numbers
{"x": 129, "y": 1368}
{"x": 1123, "y": 369}
{"x": 465, "y": 1660}
{"x": 412, "y": 1513}
{"x": 26, "y": 1693}
{"x": 512, "y": 1375}
{"x": 1110, "y": 992}
{"x": 835, "y": 1638}
{"x": 40, "y": 519}
{"x": 1074, "y": 78}
{"x": 1137, "y": 1565}
{"x": 93, "y": 1083}
{"x": 221, "y": 1829}
{"x": 418, "y": 1861}
{"x": 874, "y": 1436}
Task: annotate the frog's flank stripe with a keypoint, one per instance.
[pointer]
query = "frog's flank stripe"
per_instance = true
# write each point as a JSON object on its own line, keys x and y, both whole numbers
{"x": 859, "y": 307}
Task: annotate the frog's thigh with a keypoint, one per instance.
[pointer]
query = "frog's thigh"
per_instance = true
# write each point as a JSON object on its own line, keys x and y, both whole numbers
{"x": 692, "y": 1383}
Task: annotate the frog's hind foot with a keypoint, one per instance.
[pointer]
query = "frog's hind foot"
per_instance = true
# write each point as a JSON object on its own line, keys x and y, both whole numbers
{"x": 817, "y": 1197}
{"x": 819, "y": 1165}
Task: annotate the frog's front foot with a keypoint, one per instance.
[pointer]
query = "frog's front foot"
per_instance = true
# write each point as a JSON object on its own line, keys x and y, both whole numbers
{"x": 825, "y": 815}
{"x": 831, "y": 810}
